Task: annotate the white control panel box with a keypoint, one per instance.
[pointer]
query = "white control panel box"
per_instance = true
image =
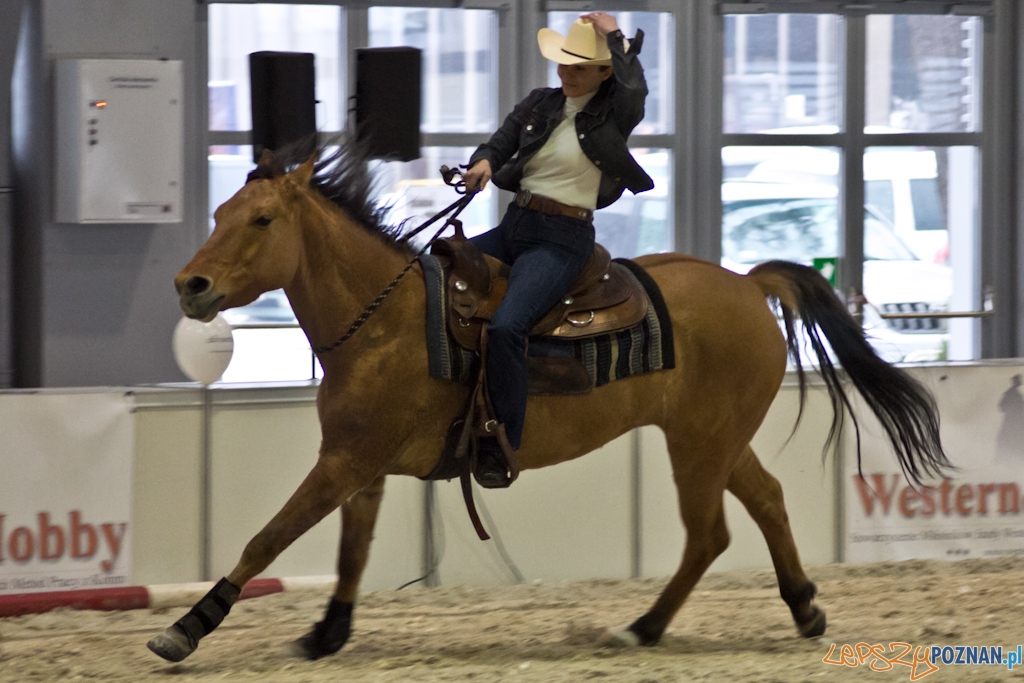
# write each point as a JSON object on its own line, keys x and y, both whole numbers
{"x": 119, "y": 148}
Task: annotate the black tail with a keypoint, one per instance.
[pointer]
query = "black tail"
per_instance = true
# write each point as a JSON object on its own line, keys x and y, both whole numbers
{"x": 904, "y": 407}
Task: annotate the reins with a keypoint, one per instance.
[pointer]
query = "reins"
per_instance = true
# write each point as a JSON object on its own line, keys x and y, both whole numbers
{"x": 461, "y": 203}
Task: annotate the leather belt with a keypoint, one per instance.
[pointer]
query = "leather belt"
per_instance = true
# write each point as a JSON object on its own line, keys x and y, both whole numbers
{"x": 528, "y": 200}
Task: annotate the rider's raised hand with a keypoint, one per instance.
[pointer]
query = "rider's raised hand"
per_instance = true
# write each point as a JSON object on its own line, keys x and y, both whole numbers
{"x": 603, "y": 23}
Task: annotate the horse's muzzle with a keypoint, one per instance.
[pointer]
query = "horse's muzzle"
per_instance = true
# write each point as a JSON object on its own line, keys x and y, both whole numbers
{"x": 201, "y": 310}
{"x": 198, "y": 298}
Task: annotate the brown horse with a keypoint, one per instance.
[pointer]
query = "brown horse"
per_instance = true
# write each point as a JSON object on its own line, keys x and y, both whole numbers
{"x": 315, "y": 232}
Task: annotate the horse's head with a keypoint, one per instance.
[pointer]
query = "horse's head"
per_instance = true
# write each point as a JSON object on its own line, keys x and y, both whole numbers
{"x": 255, "y": 246}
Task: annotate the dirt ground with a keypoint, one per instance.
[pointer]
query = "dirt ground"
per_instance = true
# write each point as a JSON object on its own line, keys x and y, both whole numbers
{"x": 733, "y": 628}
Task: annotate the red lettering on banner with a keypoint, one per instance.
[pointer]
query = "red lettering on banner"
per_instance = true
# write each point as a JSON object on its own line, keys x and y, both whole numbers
{"x": 77, "y": 528}
{"x": 868, "y": 494}
{"x": 928, "y": 508}
{"x": 22, "y": 550}
{"x": 54, "y": 541}
{"x": 46, "y": 532}
{"x": 907, "y": 496}
{"x": 964, "y": 495}
{"x": 948, "y": 498}
{"x": 1009, "y": 493}
{"x": 946, "y": 487}
{"x": 983, "y": 491}
{"x": 114, "y": 542}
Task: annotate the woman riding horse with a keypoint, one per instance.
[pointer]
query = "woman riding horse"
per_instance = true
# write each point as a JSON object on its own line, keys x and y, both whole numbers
{"x": 315, "y": 232}
{"x": 563, "y": 152}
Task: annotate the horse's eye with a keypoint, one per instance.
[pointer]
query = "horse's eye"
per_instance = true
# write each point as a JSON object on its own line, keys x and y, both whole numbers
{"x": 263, "y": 221}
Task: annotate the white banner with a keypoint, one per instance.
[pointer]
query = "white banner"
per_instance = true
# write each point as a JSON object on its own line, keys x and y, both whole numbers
{"x": 979, "y": 511}
{"x": 65, "y": 491}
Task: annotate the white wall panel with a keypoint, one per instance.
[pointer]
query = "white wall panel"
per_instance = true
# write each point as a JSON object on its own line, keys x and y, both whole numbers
{"x": 166, "y": 505}
{"x": 570, "y": 521}
{"x": 808, "y": 486}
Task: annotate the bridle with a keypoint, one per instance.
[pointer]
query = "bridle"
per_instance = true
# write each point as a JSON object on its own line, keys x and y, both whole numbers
{"x": 449, "y": 175}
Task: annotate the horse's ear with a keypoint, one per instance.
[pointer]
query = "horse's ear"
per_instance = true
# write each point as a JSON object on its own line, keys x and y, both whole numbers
{"x": 302, "y": 174}
{"x": 266, "y": 167}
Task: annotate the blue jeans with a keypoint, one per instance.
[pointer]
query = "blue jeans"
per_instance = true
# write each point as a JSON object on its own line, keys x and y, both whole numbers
{"x": 546, "y": 253}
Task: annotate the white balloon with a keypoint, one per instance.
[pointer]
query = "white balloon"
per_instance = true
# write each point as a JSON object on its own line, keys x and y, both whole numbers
{"x": 203, "y": 350}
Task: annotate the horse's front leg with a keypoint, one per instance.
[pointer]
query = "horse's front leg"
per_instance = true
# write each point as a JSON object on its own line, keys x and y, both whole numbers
{"x": 358, "y": 517}
{"x": 331, "y": 481}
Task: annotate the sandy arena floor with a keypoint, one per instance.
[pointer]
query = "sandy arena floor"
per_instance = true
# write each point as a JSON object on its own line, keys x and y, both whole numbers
{"x": 733, "y": 628}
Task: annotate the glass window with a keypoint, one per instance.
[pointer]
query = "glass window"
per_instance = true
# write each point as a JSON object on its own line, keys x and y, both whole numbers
{"x": 658, "y": 58}
{"x": 784, "y": 207}
{"x": 460, "y": 62}
{"x": 781, "y": 73}
{"x": 228, "y": 168}
{"x": 640, "y": 224}
{"x": 924, "y": 196}
{"x": 935, "y": 203}
{"x": 910, "y": 176}
{"x": 269, "y": 355}
{"x": 415, "y": 192}
{"x": 878, "y": 196}
{"x": 923, "y": 73}
{"x": 235, "y": 31}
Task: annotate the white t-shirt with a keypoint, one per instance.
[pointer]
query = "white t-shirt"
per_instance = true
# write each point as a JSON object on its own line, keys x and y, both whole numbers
{"x": 560, "y": 170}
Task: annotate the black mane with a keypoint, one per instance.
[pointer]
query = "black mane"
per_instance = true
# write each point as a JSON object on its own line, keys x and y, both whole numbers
{"x": 341, "y": 174}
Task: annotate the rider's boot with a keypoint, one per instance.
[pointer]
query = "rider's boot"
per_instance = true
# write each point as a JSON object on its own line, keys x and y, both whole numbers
{"x": 492, "y": 471}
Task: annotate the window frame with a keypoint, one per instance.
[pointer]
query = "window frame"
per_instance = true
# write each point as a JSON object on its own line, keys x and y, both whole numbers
{"x": 995, "y": 266}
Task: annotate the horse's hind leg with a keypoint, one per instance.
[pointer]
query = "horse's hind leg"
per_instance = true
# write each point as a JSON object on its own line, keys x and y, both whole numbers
{"x": 701, "y": 485}
{"x": 761, "y": 494}
{"x": 358, "y": 517}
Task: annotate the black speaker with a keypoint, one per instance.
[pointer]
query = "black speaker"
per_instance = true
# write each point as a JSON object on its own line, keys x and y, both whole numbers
{"x": 388, "y": 101}
{"x": 283, "y": 86}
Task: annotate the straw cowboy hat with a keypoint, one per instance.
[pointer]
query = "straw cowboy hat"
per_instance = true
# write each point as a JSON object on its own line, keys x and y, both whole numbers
{"x": 581, "y": 45}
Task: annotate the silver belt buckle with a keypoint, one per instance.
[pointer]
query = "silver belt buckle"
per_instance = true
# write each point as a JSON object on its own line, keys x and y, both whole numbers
{"x": 523, "y": 198}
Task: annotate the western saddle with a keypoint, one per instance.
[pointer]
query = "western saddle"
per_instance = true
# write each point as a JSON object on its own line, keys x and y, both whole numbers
{"x": 602, "y": 299}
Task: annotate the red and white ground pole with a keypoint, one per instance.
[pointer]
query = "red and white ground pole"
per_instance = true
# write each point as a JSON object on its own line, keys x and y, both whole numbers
{"x": 142, "y": 597}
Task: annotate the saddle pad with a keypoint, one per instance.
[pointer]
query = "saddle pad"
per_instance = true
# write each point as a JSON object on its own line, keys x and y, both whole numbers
{"x": 644, "y": 347}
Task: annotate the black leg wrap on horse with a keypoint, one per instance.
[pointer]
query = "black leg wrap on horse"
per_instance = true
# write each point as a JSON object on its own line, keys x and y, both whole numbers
{"x": 647, "y": 635}
{"x": 330, "y": 635}
{"x": 182, "y": 638}
{"x": 209, "y": 611}
{"x": 799, "y": 596}
{"x": 810, "y": 621}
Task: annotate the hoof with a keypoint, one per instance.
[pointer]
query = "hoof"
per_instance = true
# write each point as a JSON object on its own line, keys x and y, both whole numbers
{"x": 328, "y": 636}
{"x": 815, "y": 627}
{"x": 312, "y": 647}
{"x": 619, "y": 637}
{"x": 173, "y": 644}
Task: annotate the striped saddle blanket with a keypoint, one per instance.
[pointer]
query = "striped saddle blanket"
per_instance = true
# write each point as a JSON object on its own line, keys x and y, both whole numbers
{"x": 557, "y": 365}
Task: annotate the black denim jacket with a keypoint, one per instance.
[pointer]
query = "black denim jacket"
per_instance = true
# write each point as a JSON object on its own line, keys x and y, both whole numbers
{"x": 603, "y": 127}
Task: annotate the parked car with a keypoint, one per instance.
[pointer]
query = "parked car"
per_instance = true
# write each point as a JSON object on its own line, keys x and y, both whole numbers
{"x": 900, "y": 183}
{"x": 799, "y": 222}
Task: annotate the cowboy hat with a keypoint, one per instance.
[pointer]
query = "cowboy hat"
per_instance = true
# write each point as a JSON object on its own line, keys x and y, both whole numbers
{"x": 581, "y": 45}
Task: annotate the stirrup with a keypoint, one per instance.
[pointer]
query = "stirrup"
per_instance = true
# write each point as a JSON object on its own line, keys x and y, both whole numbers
{"x": 492, "y": 468}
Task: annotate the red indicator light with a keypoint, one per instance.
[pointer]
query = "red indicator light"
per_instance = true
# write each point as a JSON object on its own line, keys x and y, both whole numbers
{"x": 101, "y": 104}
